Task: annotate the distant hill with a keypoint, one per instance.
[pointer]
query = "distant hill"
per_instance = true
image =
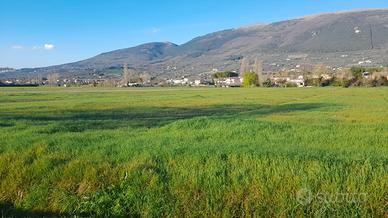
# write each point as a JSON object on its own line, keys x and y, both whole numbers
{"x": 335, "y": 39}
{"x": 6, "y": 69}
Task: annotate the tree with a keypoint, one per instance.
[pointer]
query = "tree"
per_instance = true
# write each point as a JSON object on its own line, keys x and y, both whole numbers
{"x": 145, "y": 78}
{"x": 344, "y": 74}
{"x": 106, "y": 83}
{"x": 358, "y": 71}
{"x": 268, "y": 83}
{"x": 318, "y": 70}
{"x": 244, "y": 65}
{"x": 250, "y": 79}
{"x": 256, "y": 66}
{"x": 224, "y": 74}
{"x": 306, "y": 67}
{"x": 36, "y": 80}
{"x": 53, "y": 78}
{"x": 259, "y": 71}
{"x": 126, "y": 75}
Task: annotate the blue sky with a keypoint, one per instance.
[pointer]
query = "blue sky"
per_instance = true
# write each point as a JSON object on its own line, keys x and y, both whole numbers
{"x": 37, "y": 33}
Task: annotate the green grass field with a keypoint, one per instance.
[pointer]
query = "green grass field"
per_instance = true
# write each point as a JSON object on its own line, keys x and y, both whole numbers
{"x": 196, "y": 152}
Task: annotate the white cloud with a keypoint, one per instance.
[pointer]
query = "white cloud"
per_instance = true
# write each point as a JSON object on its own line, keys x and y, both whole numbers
{"x": 48, "y": 46}
{"x": 17, "y": 47}
{"x": 155, "y": 30}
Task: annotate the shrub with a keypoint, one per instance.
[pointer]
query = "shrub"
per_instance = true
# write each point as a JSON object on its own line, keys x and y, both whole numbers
{"x": 358, "y": 71}
{"x": 224, "y": 74}
{"x": 338, "y": 82}
{"x": 379, "y": 82}
{"x": 268, "y": 83}
{"x": 250, "y": 79}
{"x": 313, "y": 82}
{"x": 353, "y": 82}
{"x": 325, "y": 82}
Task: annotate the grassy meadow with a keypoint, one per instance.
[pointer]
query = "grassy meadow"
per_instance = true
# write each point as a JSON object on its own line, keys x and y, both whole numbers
{"x": 194, "y": 152}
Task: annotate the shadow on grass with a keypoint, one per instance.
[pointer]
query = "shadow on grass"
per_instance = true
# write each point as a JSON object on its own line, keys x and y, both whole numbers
{"x": 148, "y": 117}
{"x": 8, "y": 210}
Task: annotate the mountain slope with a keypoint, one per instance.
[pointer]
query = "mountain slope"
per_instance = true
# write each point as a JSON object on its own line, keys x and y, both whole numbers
{"x": 140, "y": 54}
{"x": 336, "y": 39}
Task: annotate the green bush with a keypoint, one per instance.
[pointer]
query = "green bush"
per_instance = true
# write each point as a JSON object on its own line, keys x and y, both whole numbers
{"x": 313, "y": 82}
{"x": 268, "y": 83}
{"x": 224, "y": 74}
{"x": 338, "y": 82}
{"x": 325, "y": 82}
{"x": 358, "y": 71}
{"x": 250, "y": 79}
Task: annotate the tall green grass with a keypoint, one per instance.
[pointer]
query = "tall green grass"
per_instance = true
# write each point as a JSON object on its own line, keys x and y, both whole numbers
{"x": 194, "y": 152}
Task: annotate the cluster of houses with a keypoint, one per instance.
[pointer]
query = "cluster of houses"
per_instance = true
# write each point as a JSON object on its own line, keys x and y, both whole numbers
{"x": 44, "y": 81}
{"x": 19, "y": 82}
{"x": 186, "y": 81}
{"x": 236, "y": 81}
{"x": 229, "y": 82}
{"x": 6, "y": 69}
{"x": 281, "y": 79}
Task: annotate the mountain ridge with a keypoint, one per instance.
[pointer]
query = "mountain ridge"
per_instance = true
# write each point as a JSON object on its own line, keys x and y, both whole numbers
{"x": 353, "y": 35}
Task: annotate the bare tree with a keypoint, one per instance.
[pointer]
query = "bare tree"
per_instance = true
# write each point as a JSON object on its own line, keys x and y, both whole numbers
{"x": 145, "y": 78}
{"x": 36, "y": 80}
{"x": 344, "y": 74}
{"x": 258, "y": 69}
{"x": 244, "y": 67}
{"x": 126, "y": 75}
{"x": 306, "y": 67}
{"x": 108, "y": 83}
{"x": 53, "y": 78}
{"x": 319, "y": 70}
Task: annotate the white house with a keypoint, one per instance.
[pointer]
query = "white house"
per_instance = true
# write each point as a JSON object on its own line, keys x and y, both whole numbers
{"x": 184, "y": 81}
{"x": 197, "y": 82}
{"x": 298, "y": 82}
{"x": 229, "y": 81}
